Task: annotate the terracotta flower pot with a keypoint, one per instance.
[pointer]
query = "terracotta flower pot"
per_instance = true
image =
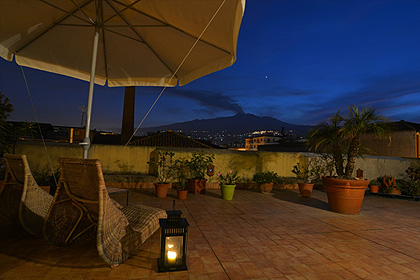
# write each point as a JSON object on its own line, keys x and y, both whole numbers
{"x": 182, "y": 195}
{"x": 161, "y": 189}
{"x": 345, "y": 196}
{"x": 196, "y": 186}
{"x": 305, "y": 189}
{"x": 374, "y": 188}
{"x": 396, "y": 191}
{"x": 266, "y": 188}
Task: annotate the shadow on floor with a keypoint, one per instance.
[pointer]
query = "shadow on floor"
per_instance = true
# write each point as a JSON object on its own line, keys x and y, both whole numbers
{"x": 149, "y": 192}
{"x": 18, "y": 244}
{"x": 212, "y": 194}
{"x": 294, "y": 197}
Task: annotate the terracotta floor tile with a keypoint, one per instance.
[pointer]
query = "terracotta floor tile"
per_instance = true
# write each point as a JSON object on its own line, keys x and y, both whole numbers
{"x": 237, "y": 275}
{"x": 139, "y": 273}
{"x": 96, "y": 275}
{"x": 197, "y": 276}
{"x": 271, "y": 272}
{"x": 218, "y": 276}
{"x": 254, "y": 236}
{"x": 212, "y": 268}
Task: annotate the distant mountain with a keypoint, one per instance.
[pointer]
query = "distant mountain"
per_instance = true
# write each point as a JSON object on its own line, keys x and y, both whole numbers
{"x": 237, "y": 124}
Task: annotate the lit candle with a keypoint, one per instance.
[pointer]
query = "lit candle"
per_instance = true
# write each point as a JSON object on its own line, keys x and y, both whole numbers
{"x": 171, "y": 256}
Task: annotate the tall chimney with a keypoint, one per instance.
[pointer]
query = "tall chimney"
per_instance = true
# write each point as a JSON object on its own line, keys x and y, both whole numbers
{"x": 128, "y": 115}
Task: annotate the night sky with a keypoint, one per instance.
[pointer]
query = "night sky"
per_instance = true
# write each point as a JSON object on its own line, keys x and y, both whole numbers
{"x": 298, "y": 61}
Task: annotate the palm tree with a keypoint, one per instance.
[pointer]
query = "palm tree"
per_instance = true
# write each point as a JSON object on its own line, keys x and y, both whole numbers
{"x": 328, "y": 137}
{"x": 341, "y": 135}
{"x": 360, "y": 121}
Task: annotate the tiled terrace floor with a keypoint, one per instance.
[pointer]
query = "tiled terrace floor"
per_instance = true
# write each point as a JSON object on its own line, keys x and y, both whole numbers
{"x": 254, "y": 236}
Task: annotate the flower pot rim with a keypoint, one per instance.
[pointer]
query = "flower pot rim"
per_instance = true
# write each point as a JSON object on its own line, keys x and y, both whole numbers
{"x": 161, "y": 184}
{"x": 346, "y": 183}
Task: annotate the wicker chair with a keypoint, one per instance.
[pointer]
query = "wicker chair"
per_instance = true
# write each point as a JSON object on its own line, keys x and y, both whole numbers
{"x": 21, "y": 199}
{"x": 82, "y": 205}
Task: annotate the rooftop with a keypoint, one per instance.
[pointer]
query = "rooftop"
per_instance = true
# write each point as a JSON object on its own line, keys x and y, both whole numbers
{"x": 254, "y": 236}
{"x": 170, "y": 139}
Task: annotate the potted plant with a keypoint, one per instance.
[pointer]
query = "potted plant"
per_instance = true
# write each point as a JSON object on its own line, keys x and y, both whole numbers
{"x": 198, "y": 166}
{"x": 374, "y": 186}
{"x": 413, "y": 173}
{"x": 341, "y": 136}
{"x": 409, "y": 187}
{"x": 227, "y": 184}
{"x": 266, "y": 180}
{"x": 303, "y": 174}
{"x": 162, "y": 165}
{"x": 181, "y": 171}
{"x": 388, "y": 184}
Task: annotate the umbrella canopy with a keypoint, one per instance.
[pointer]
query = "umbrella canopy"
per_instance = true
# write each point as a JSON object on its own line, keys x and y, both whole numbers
{"x": 135, "y": 42}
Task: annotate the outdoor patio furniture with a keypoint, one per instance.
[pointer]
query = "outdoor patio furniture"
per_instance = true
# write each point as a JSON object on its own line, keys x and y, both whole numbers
{"x": 82, "y": 205}
{"x": 21, "y": 199}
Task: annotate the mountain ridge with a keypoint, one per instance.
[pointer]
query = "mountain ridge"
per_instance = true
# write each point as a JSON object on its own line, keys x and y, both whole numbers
{"x": 238, "y": 124}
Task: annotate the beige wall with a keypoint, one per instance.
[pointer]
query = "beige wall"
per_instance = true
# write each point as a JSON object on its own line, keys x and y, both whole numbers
{"x": 134, "y": 159}
{"x": 42, "y": 159}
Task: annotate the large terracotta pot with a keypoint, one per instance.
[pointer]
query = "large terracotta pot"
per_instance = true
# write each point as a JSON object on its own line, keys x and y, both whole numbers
{"x": 345, "y": 196}
{"x": 196, "y": 186}
{"x": 305, "y": 189}
{"x": 161, "y": 189}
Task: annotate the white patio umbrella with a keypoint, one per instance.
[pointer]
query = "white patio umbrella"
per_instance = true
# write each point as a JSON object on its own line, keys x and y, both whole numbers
{"x": 135, "y": 42}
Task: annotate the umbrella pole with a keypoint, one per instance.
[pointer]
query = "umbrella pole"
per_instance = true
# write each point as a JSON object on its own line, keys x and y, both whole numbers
{"x": 86, "y": 140}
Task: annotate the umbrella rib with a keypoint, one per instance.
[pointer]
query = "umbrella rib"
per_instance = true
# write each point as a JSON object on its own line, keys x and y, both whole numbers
{"x": 123, "y": 35}
{"x": 169, "y": 25}
{"x": 68, "y": 14}
{"x": 103, "y": 43}
{"x": 141, "y": 38}
{"x": 78, "y": 8}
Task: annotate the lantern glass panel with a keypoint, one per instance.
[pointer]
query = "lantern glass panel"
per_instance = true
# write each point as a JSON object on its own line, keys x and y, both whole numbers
{"x": 174, "y": 250}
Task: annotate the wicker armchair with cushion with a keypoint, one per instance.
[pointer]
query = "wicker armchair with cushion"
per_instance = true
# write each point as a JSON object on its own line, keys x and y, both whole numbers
{"x": 21, "y": 199}
{"x": 82, "y": 205}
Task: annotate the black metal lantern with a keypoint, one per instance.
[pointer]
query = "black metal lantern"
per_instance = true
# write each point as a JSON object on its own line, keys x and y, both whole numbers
{"x": 173, "y": 242}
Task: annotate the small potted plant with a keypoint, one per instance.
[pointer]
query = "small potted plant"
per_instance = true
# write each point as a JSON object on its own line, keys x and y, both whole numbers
{"x": 266, "y": 180}
{"x": 303, "y": 174}
{"x": 162, "y": 166}
{"x": 389, "y": 185}
{"x": 227, "y": 184}
{"x": 198, "y": 166}
{"x": 181, "y": 171}
{"x": 374, "y": 186}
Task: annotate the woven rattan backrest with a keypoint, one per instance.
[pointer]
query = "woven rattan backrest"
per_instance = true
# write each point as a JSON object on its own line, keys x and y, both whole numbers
{"x": 15, "y": 167}
{"x": 81, "y": 179}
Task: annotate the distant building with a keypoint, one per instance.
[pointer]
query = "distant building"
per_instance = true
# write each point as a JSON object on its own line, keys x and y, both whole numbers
{"x": 53, "y": 133}
{"x": 170, "y": 139}
{"x": 404, "y": 141}
{"x": 251, "y": 144}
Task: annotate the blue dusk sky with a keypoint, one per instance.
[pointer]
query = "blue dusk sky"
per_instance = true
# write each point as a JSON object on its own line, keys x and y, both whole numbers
{"x": 297, "y": 61}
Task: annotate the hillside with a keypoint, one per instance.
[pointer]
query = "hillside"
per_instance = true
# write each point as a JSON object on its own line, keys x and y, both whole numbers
{"x": 237, "y": 124}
